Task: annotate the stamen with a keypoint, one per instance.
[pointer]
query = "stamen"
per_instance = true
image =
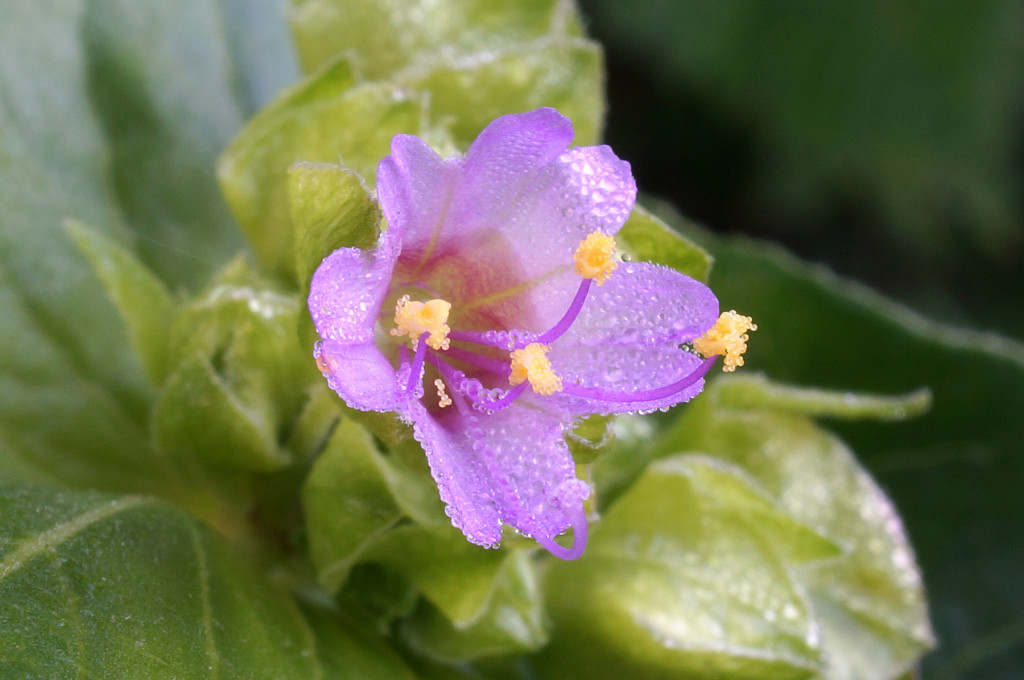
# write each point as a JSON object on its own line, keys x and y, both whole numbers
{"x": 642, "y": 395}
{"x": 727, "y": 337}
{"x": 414, "y": 319}
{"x": 595, "y": 257}
{"x": 559, "y": 329}
{"x": 442, "y": 396}
{"x": 531, "y": 363}
{"x": 473, "y": 359}
{"x": 416, "y": 368}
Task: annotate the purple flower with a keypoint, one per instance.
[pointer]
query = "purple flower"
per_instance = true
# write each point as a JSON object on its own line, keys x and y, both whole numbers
{"x": 493, "y": 315}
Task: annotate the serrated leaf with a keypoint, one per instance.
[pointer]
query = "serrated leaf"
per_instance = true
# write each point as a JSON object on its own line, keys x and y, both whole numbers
{"x": 142, "y": 299}
{"x": 682, "y": 579}
{"x": 325, "y": 118}
{"x": 382, "y": 37}
{"x": 330, "y": 208}
{"x": 127, "y": 587}
{"x": 647, "y": 238}
{"x": 471, "y": 90}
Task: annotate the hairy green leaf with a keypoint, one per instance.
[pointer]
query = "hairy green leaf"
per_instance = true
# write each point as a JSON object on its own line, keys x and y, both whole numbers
{"x": 382, "y": 37}
{"x": 690, "y": 573}
{"x": 127, "y": 587}
{"x": 327, "y": 118}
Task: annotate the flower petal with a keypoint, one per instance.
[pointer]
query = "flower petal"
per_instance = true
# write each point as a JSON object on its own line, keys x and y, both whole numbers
{"x": 509, "y": 467}
{"x": 360, "y": 374}
{"x": 504, "y": 161}
{"x": 586, "y": 189}
{"x": 644, "y": 304}
{"x": 414, "y": 186}
{"x": 344, "y": 300}
{"x": 627, "y": 336}
{"x": 348, "y": 288}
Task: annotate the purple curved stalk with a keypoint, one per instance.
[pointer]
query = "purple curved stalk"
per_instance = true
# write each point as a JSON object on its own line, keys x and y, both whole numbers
{"x": 642, "y": 395}
{"x": 493, "y": 365}
{"x": 578, "y": 521}
{"x": 559, "y": 329}
{"x": 504, "y": 401}
{"x": 417, "y": 364}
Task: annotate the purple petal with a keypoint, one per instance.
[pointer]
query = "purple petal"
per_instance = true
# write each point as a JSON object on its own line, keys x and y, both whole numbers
{"x": 414, "y": 186}
{"x": 504, "y": 161}
{"x": 644, "y": 304}
{"x": 627, "y": 336}
{"x": 344, "y": 300}
{"x": 586, "y": 189}
{"x": 508, "y": 467}
{"x": 348, "y": 288}
{"x": 360, "y": 374}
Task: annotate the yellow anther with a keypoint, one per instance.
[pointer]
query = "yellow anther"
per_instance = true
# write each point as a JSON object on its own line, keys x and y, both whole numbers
{"x": 727, "y": 337}
{"x": 442, "y": 396}
{"x": 531, "y": 363}
{"x": 595, "y": 258}
{"x": 416, "y": 318}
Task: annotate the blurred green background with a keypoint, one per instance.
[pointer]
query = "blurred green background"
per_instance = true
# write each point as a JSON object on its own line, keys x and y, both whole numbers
{"x": 885, "y": 140}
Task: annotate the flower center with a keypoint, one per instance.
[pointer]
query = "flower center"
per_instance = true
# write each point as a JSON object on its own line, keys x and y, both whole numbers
{"x": 426, "y": 326}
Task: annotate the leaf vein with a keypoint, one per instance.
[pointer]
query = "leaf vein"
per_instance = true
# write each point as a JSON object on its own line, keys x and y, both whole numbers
{"x": 51, "y": 538}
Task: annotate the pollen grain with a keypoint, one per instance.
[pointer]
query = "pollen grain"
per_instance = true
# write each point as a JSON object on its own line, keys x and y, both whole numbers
{"x": 727, "y": 337}
{"x": 595, "y": 257}
{"x": 414, "y": 318}
{"x": 531, "y": 363}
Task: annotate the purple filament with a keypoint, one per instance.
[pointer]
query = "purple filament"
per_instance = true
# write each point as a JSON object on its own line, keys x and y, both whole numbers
{"x": 578, "y": 521}
{"x": 473, "y": 359}
{"x": 477, "y": 338}
{"x": 503, "y": 401}
{"x": 416, "y": 369}
{"x": 567, "y": 320}
{"x": 642, "y": 395}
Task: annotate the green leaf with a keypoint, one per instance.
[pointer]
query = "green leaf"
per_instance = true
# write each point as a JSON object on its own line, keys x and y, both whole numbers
{"x": 869, "y": 604}
{"x": 748, "y": 391}
{"x": 684, "y": 577}
{"x": 142, "y": 299}
{"x": 955, "y": 473}
{"x": 112, "y": 110}
{"x": 382, "y": 37}
{"x": 471, "y": 90}
{"x": 331, "y": 208}
{"x": 247, "y": 332}
{"x": 347, "y": 503}
{"x": 198, "y": 417}
{"x": 511, "y": 620}
{"x": 325, "y": 118}
{"x": 646, "y": 238}
{"x": 127, "y": 587}
{"x": 348, "y": 652}
{"x": 479, "y": 602}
